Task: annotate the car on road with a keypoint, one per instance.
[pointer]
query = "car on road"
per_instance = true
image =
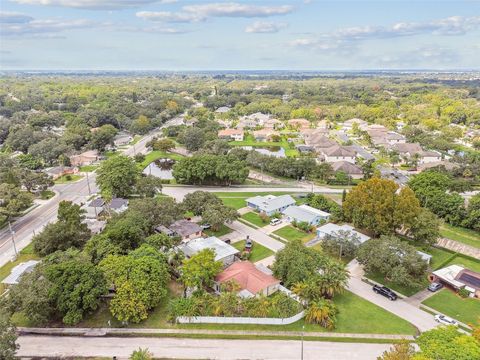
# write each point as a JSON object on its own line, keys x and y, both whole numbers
{"x": 275, "y": 221}
{"x": 445, "y": 320}
{"x": 383, "y": 290}
{"x": 434, "y": 286}
{"x": 205, "y": 226}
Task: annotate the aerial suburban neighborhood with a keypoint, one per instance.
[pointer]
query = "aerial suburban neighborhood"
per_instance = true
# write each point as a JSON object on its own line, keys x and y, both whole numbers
{"x": 239, "y": 214}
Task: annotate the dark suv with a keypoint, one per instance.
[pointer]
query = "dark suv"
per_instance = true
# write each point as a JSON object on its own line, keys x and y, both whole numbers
{"x": 382, "y": 290}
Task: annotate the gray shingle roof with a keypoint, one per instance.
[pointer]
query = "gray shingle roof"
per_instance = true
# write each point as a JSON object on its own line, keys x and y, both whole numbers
{"x": 222, "y": 249}
{"x": 271, "y": 203}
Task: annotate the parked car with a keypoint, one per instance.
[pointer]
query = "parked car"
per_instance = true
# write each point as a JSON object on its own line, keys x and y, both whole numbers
{"x": 248, "y": 244}
{"x": 275, "y": 221}
{"x": 205, "y": 226}
{"x": 445, "y": 320}
{"x": 227, "y": 241}
{"x": 383, "y": 290}
{"x": 434, "y": 286}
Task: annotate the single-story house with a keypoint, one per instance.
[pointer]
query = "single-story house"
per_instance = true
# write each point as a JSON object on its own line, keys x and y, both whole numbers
{"x": 459, "y": 278}
{"x": 94, "y": 208}
{"x": 319, "y": 141}
{"x": 338, "y": 153}
{"x": 231, "y": 134}
{"x": 273, "y": 124}
{"x": 270, "y": 204}
{"x": 408, "y": 150}
{"x": 223, "y": 251}
{"x": 352, "y": 170}
{"x": 85, "y": 158}
{"x": 347, "y": 125}
{"x": 18, "y": 271}
{"x": 305, "y": 213}
{"x": 186, "y": 229}
{"x": 58, "y": 171}
{"x": 122, "y": 139}
{"x": 251, "y": 280}
{"x": 306, "y": 133}
{"x": 264, "y": 134}
{"x": 253, "y": 120}
{"x": 223, "y": 109}
{"x": 118, "y": 205}
{"x": 332, "y": 229}
{"x": 299, "y": 123}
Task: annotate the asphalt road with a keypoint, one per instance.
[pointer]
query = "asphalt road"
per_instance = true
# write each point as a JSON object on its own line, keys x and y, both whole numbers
{"x": 178, "y": 348}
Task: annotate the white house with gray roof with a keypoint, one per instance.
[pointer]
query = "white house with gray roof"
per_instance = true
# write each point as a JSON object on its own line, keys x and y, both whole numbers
{"x": 332, "y": 230}
{"x": 223, "y": 251}
{"x": 305, "y": 213}
{"x": 270, "y": 204}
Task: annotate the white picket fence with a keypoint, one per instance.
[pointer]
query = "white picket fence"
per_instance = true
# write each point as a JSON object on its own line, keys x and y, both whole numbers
{"x": 239, "y": 320}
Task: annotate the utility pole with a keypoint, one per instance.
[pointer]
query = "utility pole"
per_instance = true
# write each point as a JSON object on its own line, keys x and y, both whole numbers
{"x": 13, "y": 238}
{"x": 303, "y": 330}
{"x": 88, "y": 185}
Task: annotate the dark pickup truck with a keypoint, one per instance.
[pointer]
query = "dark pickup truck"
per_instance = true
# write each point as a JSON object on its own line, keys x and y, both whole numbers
{"x": 382, "y": 290}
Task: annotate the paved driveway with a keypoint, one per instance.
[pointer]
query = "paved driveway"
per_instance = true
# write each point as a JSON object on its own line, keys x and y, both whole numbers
{"x": 421, "y": 319}
{"x": 256, "y": 235}
{"x": 183, "y": 348}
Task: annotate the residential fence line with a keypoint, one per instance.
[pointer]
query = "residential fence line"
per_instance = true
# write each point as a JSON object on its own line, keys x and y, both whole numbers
{"x": 239, "y": 320}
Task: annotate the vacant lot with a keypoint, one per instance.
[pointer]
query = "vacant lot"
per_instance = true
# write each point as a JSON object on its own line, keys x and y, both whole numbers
{"x": 449, "y": 303}
{"x": 466, "y": 236}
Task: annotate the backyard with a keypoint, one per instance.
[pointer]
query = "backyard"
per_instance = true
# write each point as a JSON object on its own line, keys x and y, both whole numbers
{"x": 258, "y": 252}
{"x": 447, "y": 302}
{"x": 290, "y": 233}
{"x": 465, "y": 236}
{"x": 465, "y": 261}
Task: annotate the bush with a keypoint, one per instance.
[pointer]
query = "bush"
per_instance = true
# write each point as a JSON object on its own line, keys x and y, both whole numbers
{"x": 464, "y": 293}
{"x": 139, "y": 158}
{"x": 264, "y": 217}
{"x": 68, "y": 177}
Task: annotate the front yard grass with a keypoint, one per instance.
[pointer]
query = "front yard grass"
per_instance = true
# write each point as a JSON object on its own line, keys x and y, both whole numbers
{"x": 254, "y": 218}
{"x": 66, "y": 179}
{"x": 88, "y": 168}
{"x": 224, "y": 230}
{"x": 402, "y": 289}
{"x": 258, "y": 253}
{"x": 447, "y": 302}
{"x": 465, "y": 236}
{"x": 290, "y": 233}
{"x": 355, "y": 315}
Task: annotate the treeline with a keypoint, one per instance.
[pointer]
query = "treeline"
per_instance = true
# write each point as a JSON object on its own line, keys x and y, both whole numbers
{"x": 207, "y": 169}
{"x": 295, "y": 168}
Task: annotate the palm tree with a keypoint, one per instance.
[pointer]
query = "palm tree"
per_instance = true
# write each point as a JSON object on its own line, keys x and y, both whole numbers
{"x": 321, "y": 312}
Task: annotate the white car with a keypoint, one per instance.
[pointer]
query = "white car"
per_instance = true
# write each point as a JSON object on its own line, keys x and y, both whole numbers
{"x": 445, "y": 320}
{"x": 275, "y": 221}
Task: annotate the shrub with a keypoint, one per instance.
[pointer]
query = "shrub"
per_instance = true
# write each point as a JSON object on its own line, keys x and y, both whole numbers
{"x": 264, "y": 217}
{"x": 464, "y": 293}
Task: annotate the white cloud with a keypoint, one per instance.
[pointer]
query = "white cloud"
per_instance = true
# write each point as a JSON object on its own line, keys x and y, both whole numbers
{"x": 201, "y": 12}
{"x": 48, "y": 26}
{"x": 237, "y": 10}
{"x": 94, "y": 4}
{"x": 7, "y": 17}
{"x": 167, "y": 16}
{"x": 265, "y": 27}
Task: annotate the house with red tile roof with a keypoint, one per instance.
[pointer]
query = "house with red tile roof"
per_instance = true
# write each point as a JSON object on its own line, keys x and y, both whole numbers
{"x": 251, "y": 280}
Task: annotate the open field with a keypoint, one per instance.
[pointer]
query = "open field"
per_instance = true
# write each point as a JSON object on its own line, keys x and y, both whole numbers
{"x": 451, "y": 304}
{"x": 465, "y": 236}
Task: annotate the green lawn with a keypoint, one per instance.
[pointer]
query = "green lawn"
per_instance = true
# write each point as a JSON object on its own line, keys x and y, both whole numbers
{"x": 449, "y": 303}
{"x": 439, "y": 256}
{"x": 25, "y": 255}
{"x": 254, "y": 218}
{"x": 466, "y": 262}
{"x": 250, "y": 141}
{"x": 224, "y": 230}
{"x": 65, "y": 179}
{"x": 88, "y": 168}
{"x": 356, "y": 315}
{"x": 259, "y": 251}
{"x": 402, "y": 289}
{"x": 236, "y": 203}
{"x": 290, "y": 233}
{"x": 466, "y": 236}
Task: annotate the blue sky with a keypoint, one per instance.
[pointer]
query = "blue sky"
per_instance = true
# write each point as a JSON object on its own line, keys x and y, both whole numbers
{"x": 263, "y": 34}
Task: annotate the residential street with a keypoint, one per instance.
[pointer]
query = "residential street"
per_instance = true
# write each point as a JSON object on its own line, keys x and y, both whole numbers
{"x": 257, "y": 236}
{"x": 179, "y": 348}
